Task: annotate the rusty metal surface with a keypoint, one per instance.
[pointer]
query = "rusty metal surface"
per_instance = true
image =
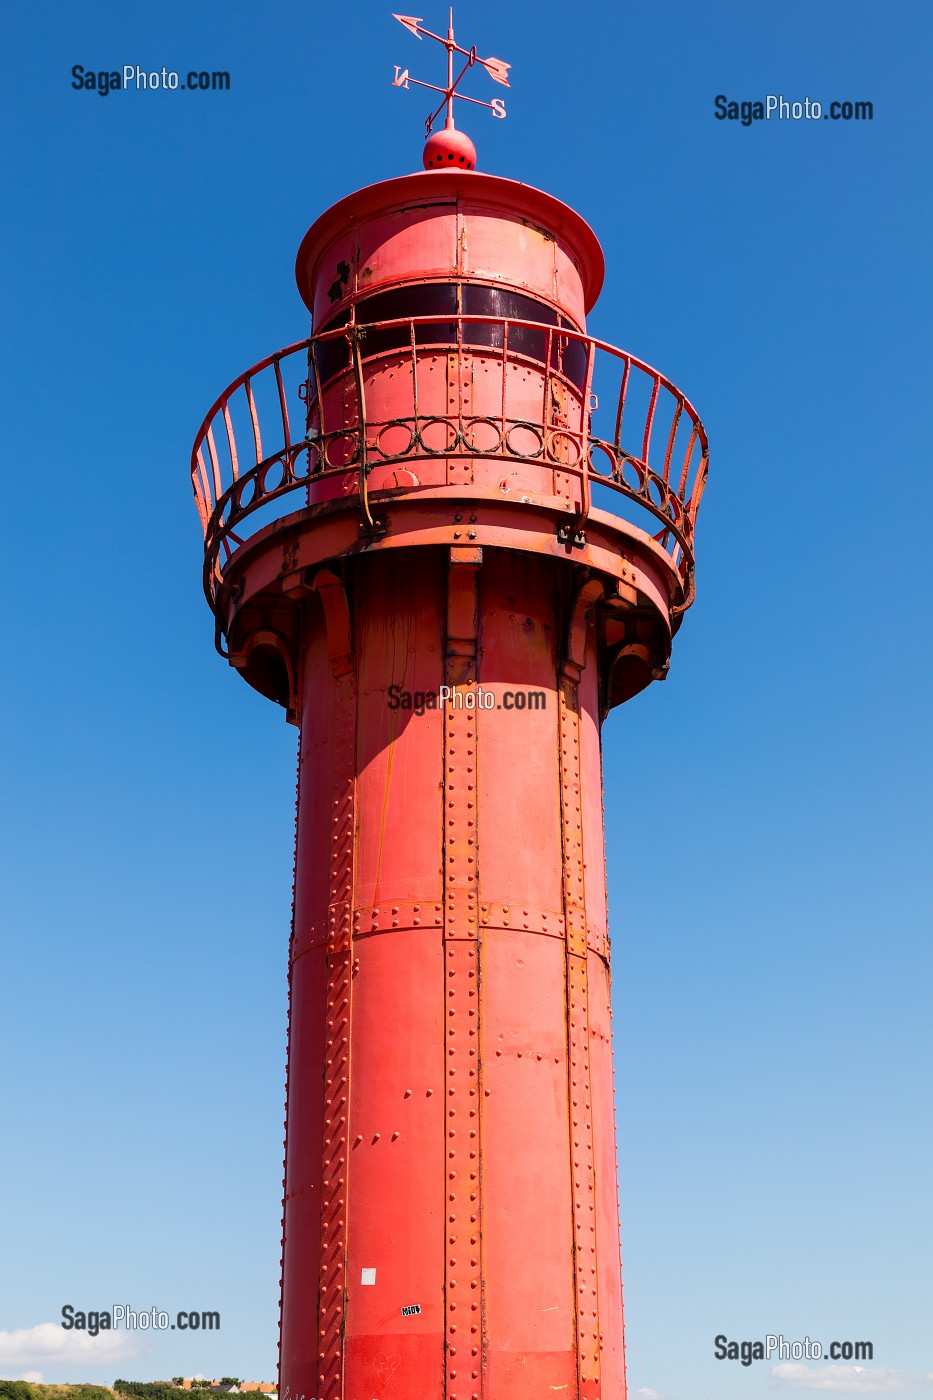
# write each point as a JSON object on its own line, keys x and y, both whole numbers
{"x": 268, "y": 573}
{"x": 450, "y": 483}
{"x": 451, "y": 1210}
{"x": 446, "y": 223}
{"x": 655, "y": 457}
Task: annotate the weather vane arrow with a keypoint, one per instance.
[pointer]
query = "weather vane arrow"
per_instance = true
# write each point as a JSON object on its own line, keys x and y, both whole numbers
{"x": 495, "y": 67}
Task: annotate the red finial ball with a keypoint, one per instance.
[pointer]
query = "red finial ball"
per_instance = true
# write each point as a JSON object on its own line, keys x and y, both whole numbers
{"x": 449, "y": 150}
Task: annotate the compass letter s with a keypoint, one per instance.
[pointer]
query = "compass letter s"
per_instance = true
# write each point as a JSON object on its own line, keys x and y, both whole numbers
{"x": 498, "y": 107}
{"x": 401, "y": 78}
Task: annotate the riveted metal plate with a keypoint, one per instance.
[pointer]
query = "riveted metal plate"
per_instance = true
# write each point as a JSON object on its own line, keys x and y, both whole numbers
{"x": 397, "y": 914}
{"x": 459, "y": 409}
{"x": 571, "y": 817}
{"x": 333, "y": 1286}
{"x": 463, "y": 1284}
{"x": 583, "y": 1181}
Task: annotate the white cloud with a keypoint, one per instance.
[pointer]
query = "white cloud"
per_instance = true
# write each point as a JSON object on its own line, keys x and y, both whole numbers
{"x": 646, "y": 1393}
{"x": 855, "y": 1380}
{"x": 49, "y": 1344}
{"x": 34, "y": 1377}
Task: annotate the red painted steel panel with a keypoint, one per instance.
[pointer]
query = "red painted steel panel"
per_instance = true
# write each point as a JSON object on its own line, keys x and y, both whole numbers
{"x": 301, "y": 1263}
{"x": 312, "y": 871}
{"x": 591, "y": 774}
{"x": 527, "y": 1223}
{"x": 422, "y": 238}
{"x": 512, "y": 252}
{"x": 399, "y": 624}
{"x": 520, "y": 852}
{"x": 612, "y": 1349}
{"x": 396, "y": 1172}
{"x": 304, "y": 1161}
{"x": 508, "y": 200}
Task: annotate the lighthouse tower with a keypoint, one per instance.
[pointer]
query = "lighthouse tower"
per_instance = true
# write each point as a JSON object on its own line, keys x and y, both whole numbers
{"x": 447, "y": 533}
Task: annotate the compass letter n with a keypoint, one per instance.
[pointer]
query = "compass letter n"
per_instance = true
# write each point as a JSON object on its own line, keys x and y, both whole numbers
{"x": 401, "y": 77}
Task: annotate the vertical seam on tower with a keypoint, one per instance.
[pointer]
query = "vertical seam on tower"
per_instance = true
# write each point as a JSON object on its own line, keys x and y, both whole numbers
{"x": 333, "y": 1289}
{"x": 464, "y": 1362}
{"x": 606, "y": 955}
{"x": 582, "y": 1166}
{"x": 288, "y": 1061}
{"x": 288, "y": 1022}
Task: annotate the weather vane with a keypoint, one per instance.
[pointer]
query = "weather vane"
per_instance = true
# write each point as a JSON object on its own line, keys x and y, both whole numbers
{"x": 497, "y": 70}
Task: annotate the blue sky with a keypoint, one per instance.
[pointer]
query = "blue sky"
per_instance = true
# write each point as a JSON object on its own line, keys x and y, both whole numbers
{"x": 767, "y": 807}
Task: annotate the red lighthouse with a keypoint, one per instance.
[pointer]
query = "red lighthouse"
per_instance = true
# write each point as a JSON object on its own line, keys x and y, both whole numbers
{"x": 447, "y": 533}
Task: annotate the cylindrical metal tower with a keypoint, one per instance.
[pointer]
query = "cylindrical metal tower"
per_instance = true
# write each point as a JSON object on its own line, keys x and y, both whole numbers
{"x": 414, "y": 544}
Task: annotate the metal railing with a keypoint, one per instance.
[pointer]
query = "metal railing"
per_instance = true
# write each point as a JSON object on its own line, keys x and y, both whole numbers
{"x": 268, "y": 433}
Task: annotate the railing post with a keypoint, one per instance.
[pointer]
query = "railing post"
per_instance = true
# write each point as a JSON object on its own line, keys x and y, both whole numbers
{"x": 355, "y": 335}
